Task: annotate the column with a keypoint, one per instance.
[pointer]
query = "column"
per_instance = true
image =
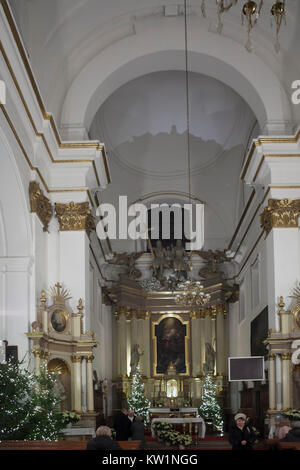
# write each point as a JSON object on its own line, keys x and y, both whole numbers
{"x": 146, "y": 346}
{"x": 83, "y": 371}
{"x": 37, "y": 360}
{"x": 117, "y": 345}
{"x": 286, "y": 380}
{"x": 221, "y": 350}
{"x": 278, "y": 382}
{"x": 75, "y": 225}
{"x": 76, "y": 379}
{"x": 134, "y": 333}
{"x": 196, "y": 347}
{"x": 272, "y": 389}
{"x": 283, "y": 271}
{"x": 123, "y": 344}
{"x": 202, "y": 343}
{"x": 129, "y": 345}
{"x": 89, "y": 383}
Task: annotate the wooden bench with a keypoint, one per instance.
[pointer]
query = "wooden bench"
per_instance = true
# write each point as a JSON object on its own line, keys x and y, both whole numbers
{"x": 59, "y": 445}
{"x": 276, "y": 444}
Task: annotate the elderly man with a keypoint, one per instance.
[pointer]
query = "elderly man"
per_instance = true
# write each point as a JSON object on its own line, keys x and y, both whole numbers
{"x": 103, "y": 440}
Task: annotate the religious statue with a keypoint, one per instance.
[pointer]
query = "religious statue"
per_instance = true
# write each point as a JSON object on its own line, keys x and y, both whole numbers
{"x": 136, "y": 353}
{"x": 213, "y": 259}
{"x": 160, "y": 260}
{"x": 60, "y": 392}
{"x": 210, "y": 356}
{"x": 179, "y": 254}
{"x": 128, "y": 260}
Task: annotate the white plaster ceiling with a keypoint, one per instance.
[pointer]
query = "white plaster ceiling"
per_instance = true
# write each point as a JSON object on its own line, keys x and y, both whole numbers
{"x": 144, "y": 123}
{"x": 63, "y": 36}
{"x": 142, "y": 117}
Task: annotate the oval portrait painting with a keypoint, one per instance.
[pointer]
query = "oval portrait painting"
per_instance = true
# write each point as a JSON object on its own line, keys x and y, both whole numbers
{"x": 58, "y": 321}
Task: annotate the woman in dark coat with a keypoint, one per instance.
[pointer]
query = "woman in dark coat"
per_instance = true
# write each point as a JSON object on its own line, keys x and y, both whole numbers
{"x": 138, "y": 431}
{"x": 241, "y": 436}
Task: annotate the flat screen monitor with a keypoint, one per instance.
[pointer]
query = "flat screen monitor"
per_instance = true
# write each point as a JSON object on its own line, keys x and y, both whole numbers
{"x": 246, "y": 368}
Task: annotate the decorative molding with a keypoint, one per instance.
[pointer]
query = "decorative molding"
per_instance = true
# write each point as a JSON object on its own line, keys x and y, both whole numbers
{"x": 76, "y": 359}
{"x": 40, "y": 204}
{"x": 280, "y": 213}
{"x": 75, "y": 216}
{"x": 286, "y": 356}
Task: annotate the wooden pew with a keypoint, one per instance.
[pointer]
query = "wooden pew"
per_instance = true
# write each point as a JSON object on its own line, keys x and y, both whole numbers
{"x": 59, "y": 445}
{"x": 129, "y": 445}
{"x": 276, "y": 444}
{"x": 288, "y": 445}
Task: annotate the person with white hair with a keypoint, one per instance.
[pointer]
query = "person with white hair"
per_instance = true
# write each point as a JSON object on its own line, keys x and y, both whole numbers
{"x": 294, "y": 433}
{"x": 103, "y": 440}
{"x": 241, "y": 435}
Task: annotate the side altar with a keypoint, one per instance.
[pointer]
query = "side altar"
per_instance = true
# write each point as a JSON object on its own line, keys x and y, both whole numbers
{"x": 60, "y": 344}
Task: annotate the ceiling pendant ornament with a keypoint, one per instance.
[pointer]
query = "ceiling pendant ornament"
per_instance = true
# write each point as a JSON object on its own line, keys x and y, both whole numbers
{"x": 250, "y": 14}
{"x": 278, "y": 14}
{"x": 251, "y": 11}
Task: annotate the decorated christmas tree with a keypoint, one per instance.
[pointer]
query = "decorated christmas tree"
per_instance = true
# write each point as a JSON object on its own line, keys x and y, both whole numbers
{"x": 46, "y": 421}
{"x": 15, "y": 405}
{"x": 210, "y": 409}
{"x": 137, "y": 401}
{"x": 29, "y": 406}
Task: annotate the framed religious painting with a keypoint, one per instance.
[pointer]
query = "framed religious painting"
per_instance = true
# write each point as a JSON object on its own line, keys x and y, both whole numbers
{"x": 59, "y": 320}
{"x": 171, "y": 336}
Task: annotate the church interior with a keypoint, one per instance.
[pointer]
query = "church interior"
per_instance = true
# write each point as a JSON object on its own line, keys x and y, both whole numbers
{"x": 151, "y": 153}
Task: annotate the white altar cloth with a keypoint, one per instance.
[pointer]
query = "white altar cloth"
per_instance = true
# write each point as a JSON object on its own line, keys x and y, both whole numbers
{"x": 180, "y": 410}
{"x": 200, "y": 421}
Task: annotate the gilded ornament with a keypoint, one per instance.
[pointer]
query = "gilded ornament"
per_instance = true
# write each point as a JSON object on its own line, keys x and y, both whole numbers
{"x": 280, "y": 213}
{"x": 74, "y": 216}
{"x": 40, "y": 204}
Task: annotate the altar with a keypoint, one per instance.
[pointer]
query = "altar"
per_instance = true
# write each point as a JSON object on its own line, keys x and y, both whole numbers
{"x": 184, "y": 412}
{"x": 184, "y": 421}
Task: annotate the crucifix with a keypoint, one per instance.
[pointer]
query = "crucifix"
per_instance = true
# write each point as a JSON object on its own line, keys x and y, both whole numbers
{"x": 58, "y": 286}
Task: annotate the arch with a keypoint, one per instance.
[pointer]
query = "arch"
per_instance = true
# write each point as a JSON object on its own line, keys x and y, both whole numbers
{"x": 160, "y": 46}
{"x": 15, "y": 228}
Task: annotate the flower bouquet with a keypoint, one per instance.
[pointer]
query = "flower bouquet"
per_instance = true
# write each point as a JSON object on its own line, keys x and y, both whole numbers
{"x": 292, "y": 415}
{"x": 70, "y": 417}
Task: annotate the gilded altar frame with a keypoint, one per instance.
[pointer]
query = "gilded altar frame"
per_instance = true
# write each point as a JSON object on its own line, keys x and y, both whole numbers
{"x": 186, "y": 343}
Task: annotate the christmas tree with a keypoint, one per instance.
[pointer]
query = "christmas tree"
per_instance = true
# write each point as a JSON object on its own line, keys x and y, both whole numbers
{"x": 210, "y": 409}
{"x": 14, "y": 402}
{"x": 28, "y": 405}
{"x": 46, "y": 420}
{"x": 138, "y": 402}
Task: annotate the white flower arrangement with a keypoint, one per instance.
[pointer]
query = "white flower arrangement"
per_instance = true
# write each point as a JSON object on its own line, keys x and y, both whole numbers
{"x": 292, "y": 415}
{"x": 70, "y": 417}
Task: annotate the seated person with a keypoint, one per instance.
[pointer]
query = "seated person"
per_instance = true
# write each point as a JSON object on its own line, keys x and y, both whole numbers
{"x": 294, "y": 434}
{"x": 137, "y": 431}
{"x": 103, "y": 440}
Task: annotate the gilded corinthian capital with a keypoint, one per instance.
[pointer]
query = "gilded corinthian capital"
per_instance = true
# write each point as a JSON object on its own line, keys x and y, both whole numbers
{"x": 40, "y": 204}
{"x": 74, "y": 216}
{"x": 280, "y": 213}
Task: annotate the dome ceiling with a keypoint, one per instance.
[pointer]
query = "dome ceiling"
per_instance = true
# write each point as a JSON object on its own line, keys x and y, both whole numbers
{"x": 144, "y": 124}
